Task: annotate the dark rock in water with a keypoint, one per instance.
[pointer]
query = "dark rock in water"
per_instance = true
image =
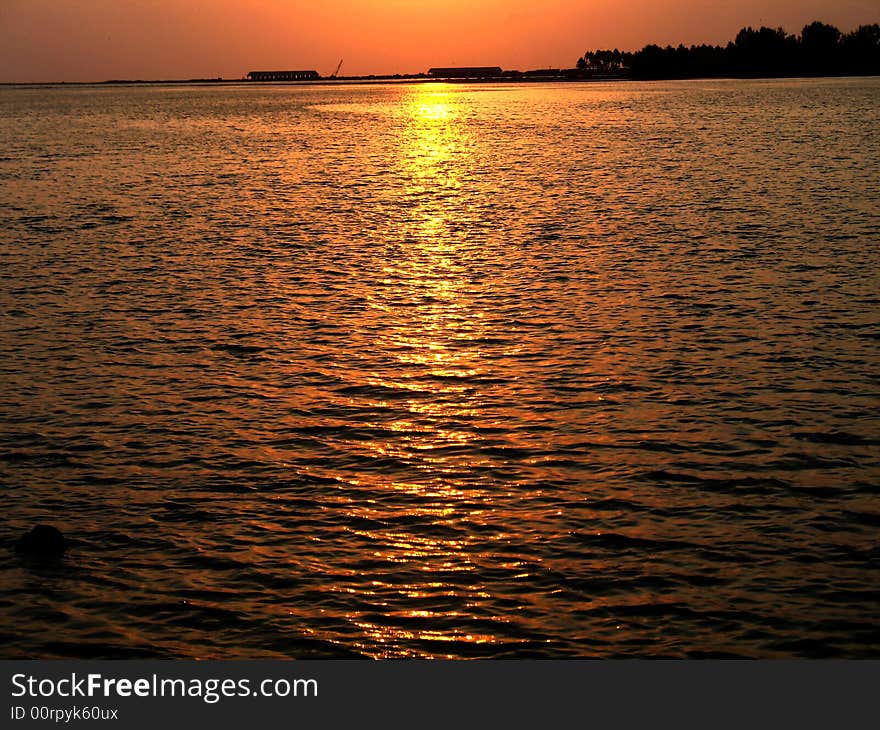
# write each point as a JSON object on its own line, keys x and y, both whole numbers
{"x": 42, "y": 540}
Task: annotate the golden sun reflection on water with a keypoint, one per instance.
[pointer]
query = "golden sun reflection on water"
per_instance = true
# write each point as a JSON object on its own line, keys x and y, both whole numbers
{"x": 433, "y": 326}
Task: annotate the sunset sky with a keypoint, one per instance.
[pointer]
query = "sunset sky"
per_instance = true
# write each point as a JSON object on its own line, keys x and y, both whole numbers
{"x": 85, "y": 40}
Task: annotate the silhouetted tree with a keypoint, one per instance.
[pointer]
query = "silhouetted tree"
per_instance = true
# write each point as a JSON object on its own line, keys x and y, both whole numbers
{"x": 763, "y": 52}
{"x": 820, "y": 46}
{"x": 604, "y": 63}
{"x": 860, "y": 50}
{"x": 820, "y": 49}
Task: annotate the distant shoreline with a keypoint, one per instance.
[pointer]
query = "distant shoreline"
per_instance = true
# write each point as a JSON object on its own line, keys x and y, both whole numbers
{"x": 416, "y": 79}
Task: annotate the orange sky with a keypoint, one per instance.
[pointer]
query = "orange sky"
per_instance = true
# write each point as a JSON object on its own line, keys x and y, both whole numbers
{"x": 84, "y": 40}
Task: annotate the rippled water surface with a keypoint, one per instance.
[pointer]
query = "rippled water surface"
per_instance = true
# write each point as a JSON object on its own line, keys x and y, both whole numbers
{"x": 424, "y": 370}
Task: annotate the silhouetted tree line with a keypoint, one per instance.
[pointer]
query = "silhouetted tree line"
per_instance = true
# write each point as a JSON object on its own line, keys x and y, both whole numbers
{"x": 820, "y": 50}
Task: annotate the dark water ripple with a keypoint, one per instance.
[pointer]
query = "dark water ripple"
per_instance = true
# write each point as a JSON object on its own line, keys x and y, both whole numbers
{"x": 426, "y": 371}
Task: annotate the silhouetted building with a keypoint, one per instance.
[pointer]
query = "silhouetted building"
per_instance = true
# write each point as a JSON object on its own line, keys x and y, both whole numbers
{"x": 466, "y": 72}
{"x": 283, "y": 76}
